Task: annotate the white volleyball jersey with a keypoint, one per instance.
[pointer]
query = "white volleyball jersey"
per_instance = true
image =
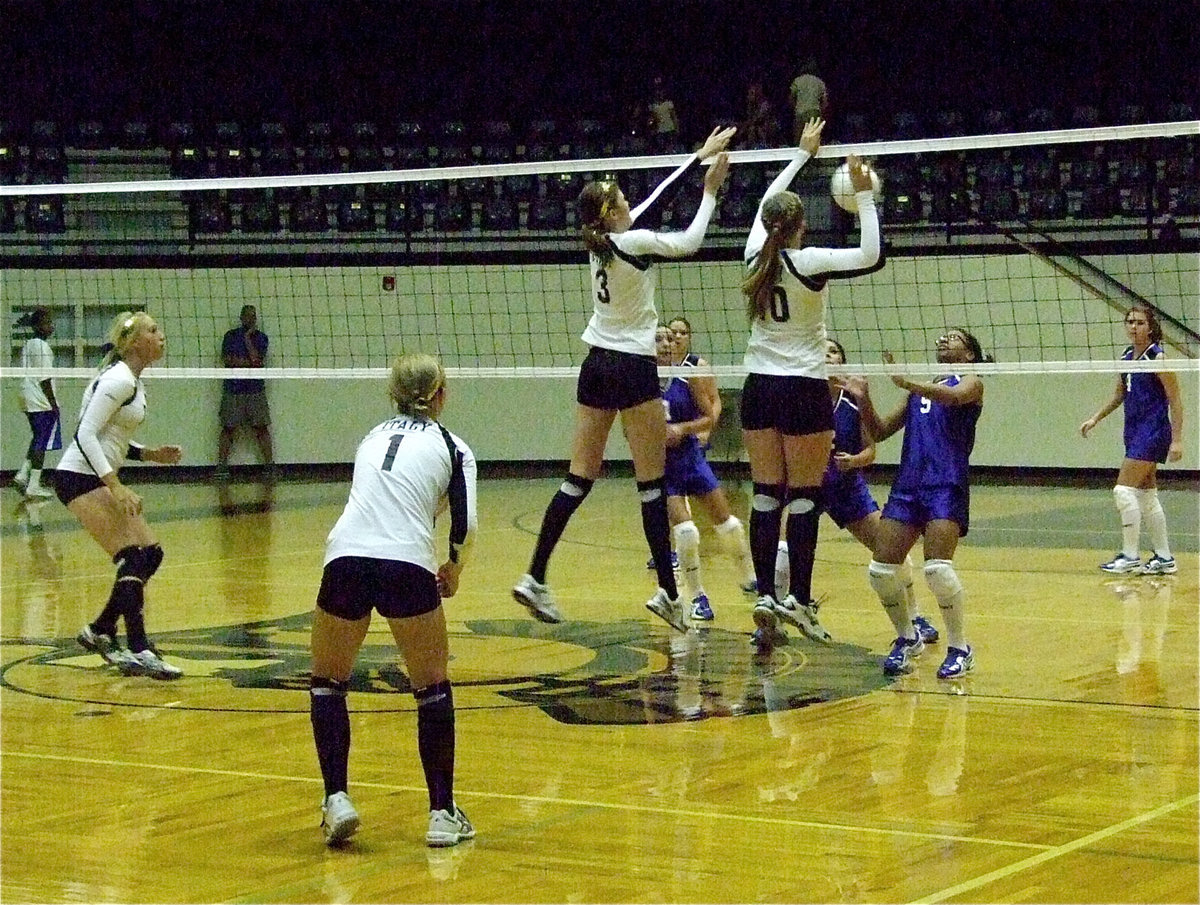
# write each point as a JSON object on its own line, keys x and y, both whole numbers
{"x": 404, "y": 469}
{"x": 36, "y": 356}
{"x": 790, "y": 340}
{"x": 114, "y": 405}
{"x": 624, "y": 317}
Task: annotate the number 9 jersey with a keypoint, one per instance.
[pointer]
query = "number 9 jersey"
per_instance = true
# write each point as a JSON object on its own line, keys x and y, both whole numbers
{"x": 405, "y": 470}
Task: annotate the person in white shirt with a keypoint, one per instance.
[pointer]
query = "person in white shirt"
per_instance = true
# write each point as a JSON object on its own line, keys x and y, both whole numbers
{"x": 620, "y": 373}
{"x": 87, "y": 482}
{"x": 381, "y": 555}
{"x": 38, "y": 402}
{"x": 787, "y": 411}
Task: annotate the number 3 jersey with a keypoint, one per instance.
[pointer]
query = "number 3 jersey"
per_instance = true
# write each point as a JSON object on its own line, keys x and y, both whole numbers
{"x": 406, "y": 470}
{"x": 624, "y": 318}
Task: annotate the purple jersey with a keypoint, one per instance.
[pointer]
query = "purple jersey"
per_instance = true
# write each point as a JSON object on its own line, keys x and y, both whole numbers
{"x": 938, "y": 440}
{"x": 682, "y": 407}
{"x": 1147, "y": 419}
{"x": 847, "y": 434}
{"x": 687, "y": 471}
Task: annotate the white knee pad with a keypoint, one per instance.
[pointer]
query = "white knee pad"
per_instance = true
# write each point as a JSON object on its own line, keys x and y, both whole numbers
{"x": 885, "y": 579}
{"x": 942, "y": 579}
{"x": 1126, "y": 499}
{"x": 687, "y": 535}
{"x": 1149, "y": 502}
{"x": 729, "y": 526}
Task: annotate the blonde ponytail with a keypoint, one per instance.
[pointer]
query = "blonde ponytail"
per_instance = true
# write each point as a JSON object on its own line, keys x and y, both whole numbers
{"x": 415, "y": 381}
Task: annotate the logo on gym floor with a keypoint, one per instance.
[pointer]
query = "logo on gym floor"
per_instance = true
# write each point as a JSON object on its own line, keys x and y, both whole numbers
{"x": 628, "y": 672}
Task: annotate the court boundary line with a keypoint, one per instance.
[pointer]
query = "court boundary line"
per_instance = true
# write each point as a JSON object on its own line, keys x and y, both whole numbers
{"x": 1057, "y": 851}
{"x": 542, "y": 799}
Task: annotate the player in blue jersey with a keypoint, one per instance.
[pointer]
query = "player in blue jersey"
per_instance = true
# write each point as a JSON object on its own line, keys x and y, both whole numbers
{"x": 1153, "y": 434}
{"x": 787, "y": 412}
{"x": 930, "y": 496}
{"x": 620, "y": 374}
{"x": 690, "y": 419}
{"x": 848, "y": 499}
{"x": 381, "y": 555}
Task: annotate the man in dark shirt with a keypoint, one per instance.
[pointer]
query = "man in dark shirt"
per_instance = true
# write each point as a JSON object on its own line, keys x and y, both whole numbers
{"x": 244, "y": 401}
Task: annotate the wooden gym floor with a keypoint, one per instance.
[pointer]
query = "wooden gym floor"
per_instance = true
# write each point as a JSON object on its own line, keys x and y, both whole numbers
{"x": 606, "y": 759}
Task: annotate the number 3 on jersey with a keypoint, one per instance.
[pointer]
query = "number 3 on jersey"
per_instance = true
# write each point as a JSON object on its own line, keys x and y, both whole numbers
{"x": 603, "y": 295}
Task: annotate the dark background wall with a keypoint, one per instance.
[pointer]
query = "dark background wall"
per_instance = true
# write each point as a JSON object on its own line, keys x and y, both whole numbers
{"x": 521, "y": 59}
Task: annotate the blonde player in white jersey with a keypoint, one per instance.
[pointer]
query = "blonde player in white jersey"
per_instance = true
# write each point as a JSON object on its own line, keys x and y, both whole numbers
{"x": 88, "y": 483}
{"x": 787, "y": 412}
{"x": 620, "y": 373}
{"x": 38, "y": 402}
{"x": 381, "y": 555}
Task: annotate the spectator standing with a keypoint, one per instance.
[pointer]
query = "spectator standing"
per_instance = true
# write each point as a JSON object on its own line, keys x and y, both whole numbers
{"x": 810, "y": 99}
{"x": 244, "y": 401}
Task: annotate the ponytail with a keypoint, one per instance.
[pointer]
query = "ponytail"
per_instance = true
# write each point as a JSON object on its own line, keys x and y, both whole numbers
{"x": 595, "y": 203}
{"x": 415, "y": 380}
{"x": 782, "y": 215}
{"x": 125, "y": 328}
{"x": 975, "y": 347}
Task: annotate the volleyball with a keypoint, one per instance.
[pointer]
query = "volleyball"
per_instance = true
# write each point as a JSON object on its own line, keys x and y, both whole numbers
{"x": 842, "y": 189}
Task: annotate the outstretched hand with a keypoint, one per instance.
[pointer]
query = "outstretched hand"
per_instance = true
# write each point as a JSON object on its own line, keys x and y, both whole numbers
{"x": 717, "y": 141}
{"x": 810, "y": 138}
{"x": 860, "y": 173}
{"x": 716, "y": 174}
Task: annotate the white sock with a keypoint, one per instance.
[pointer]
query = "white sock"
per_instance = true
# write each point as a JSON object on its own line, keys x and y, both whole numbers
{"x": 35, "y": 481}
{"x": 886, "y": 582}
{"x": 687, "y": 545}
{"x": 904, "y": 573}
{"x": 946, "y": 587}
{"x": 1156, "y": 522}
{"x": 783, "y": 571}
{"x": 733, "y": 537}
{"x": 1130, "y": 511}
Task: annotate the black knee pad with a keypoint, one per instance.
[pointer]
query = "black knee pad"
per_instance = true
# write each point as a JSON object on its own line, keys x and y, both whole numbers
{"x": 767, "y": 497}
{"x": 576, "y": 487}
{"x": 319, "y": 686}
{"x": 813, "y": 496}
{"x": 436, "y": 698}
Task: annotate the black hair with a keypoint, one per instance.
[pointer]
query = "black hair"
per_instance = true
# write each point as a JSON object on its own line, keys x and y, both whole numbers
{"x": 32, "y": 316}
{"x": 974, "y": 346}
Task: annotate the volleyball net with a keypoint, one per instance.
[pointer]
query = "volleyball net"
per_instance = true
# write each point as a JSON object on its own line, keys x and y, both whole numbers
{"x": 1037, "y": 243}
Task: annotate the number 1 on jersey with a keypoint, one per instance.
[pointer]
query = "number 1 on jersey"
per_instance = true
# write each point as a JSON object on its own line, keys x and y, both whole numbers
{"x": 391, "y": 451}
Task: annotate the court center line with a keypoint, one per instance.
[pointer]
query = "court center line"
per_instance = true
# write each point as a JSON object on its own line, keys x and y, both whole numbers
{"x": 572, "y": 802}
{"x": 1056, "y": 852}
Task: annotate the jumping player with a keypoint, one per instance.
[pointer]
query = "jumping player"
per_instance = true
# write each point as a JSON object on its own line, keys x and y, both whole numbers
{"x": 787, "y": 413}
{"x": 620, "y": 373}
